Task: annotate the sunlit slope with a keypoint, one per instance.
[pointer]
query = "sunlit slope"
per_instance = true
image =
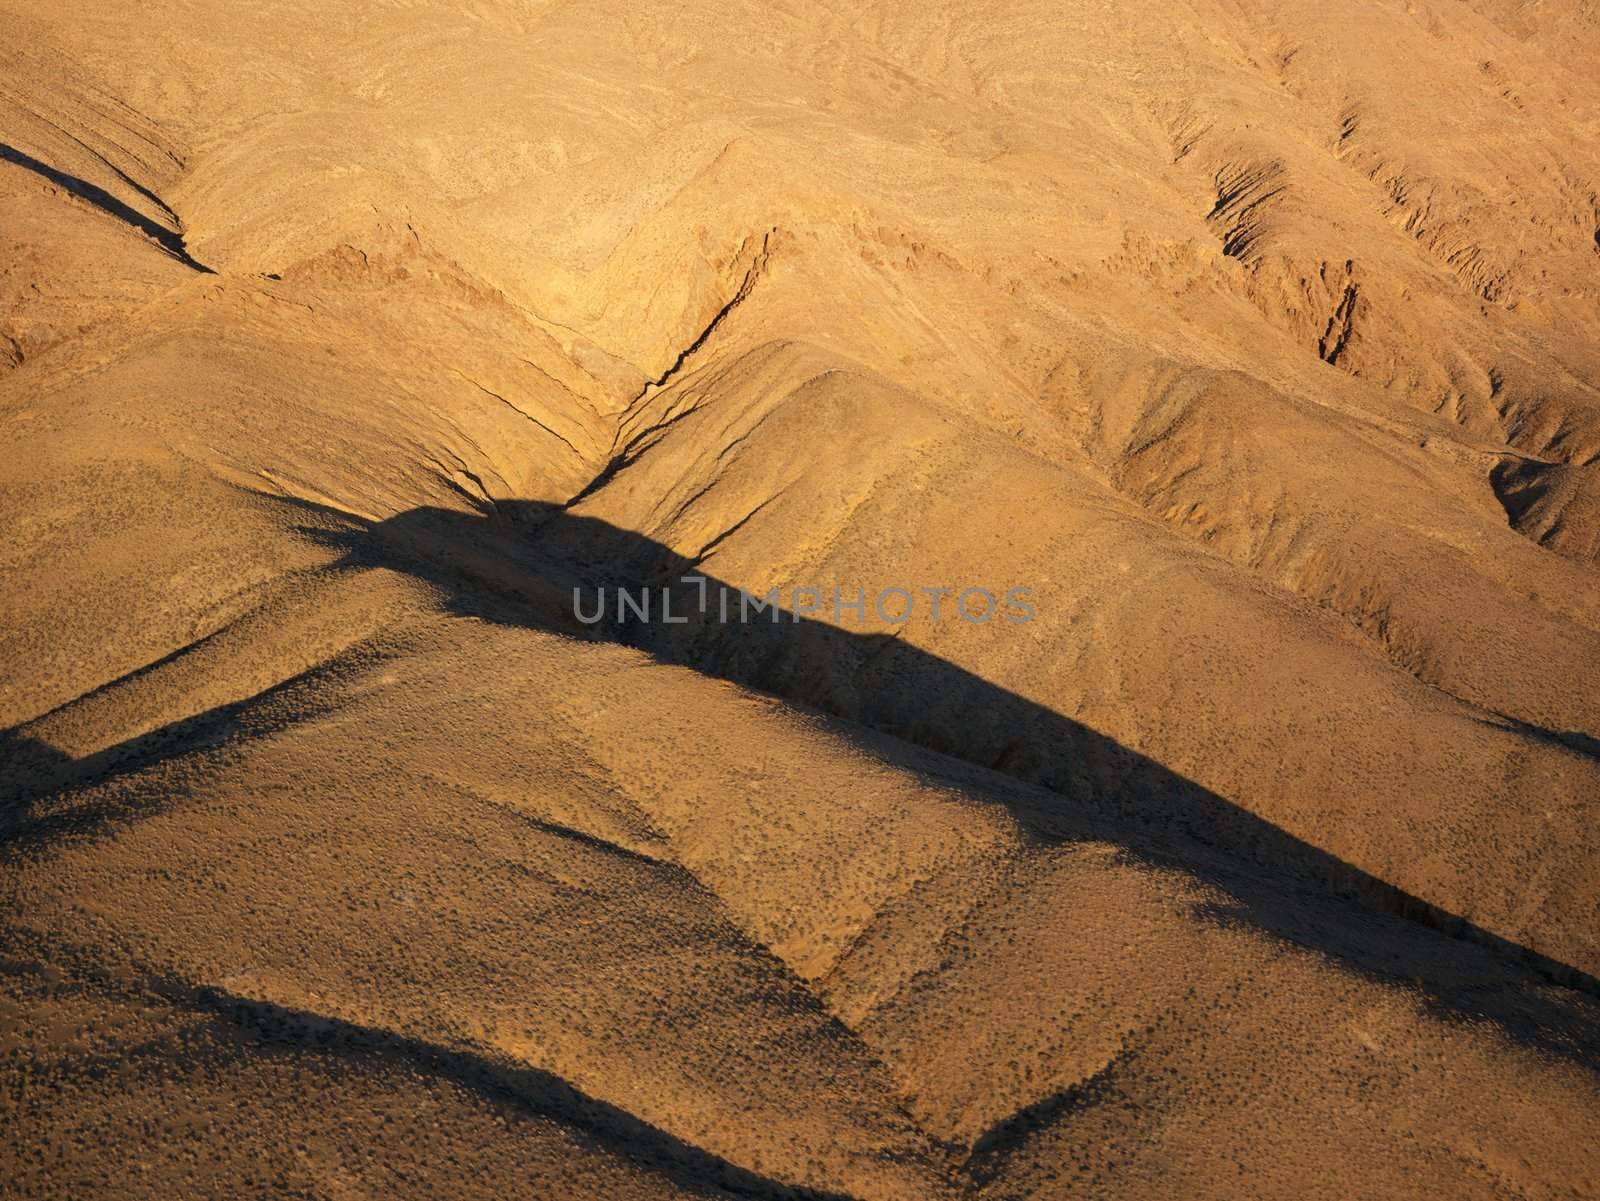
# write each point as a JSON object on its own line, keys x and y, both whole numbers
{"x": 761, "y": 951}
{"x": 1257, "y": 343}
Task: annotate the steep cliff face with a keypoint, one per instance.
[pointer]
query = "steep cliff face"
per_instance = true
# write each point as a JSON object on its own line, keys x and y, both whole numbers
{"x": 1256, "y": 341}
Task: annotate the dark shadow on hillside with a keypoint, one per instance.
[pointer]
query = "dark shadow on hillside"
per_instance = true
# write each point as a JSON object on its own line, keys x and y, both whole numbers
{"x": 103, "y": 200}
{"x": 520, "y": 1087}
{"x": 264, "y": 1027}
{"x": 46, "y": 795}
{"x": 519, "y": 563}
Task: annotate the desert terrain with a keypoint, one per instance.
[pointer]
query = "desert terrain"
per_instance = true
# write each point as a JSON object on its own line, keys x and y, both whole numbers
{"x": 1245, "y": 353}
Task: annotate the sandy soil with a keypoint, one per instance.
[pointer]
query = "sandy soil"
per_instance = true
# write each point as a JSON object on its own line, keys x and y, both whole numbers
{"x": 1259, "y": 341}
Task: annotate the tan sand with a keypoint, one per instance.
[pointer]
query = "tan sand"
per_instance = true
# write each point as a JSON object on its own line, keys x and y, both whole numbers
{"x": 1258, "y": 341}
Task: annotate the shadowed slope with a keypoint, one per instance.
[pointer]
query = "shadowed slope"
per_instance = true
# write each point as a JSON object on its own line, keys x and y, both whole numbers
{"x": 522, "y": 564}
{"x": 103, "y": 200}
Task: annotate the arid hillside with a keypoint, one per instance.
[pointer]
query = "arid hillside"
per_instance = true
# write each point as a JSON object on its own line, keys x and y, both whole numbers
{"x": 1244, "y": 353}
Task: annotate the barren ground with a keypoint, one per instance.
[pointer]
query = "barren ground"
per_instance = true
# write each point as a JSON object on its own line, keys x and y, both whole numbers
{"x": 1258, "y": 339}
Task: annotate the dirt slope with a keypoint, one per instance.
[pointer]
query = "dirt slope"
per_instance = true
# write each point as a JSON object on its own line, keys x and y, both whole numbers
{"x": 1259, "y": 342}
